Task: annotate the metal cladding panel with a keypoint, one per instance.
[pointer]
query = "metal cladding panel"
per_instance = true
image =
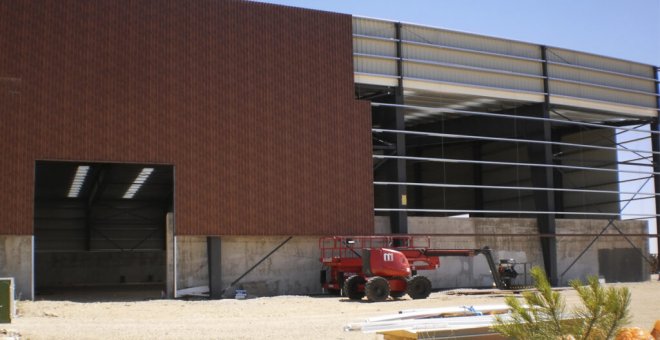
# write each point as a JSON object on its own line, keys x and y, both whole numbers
{"x": 472, "y": 77}
{"x": 603, "y": 94}
{"x": 466, "y": 58}
{"x": 601, "y": 78}
{"x": 588, "y": 76}
{"x": 374, "y": 28}
{"x": 469, "y": 41}
{"x": 375, "y": 65}
{"x": 378, "y": 47}
{"x": 599, "y": 62}
{"x": 252, "y": 103}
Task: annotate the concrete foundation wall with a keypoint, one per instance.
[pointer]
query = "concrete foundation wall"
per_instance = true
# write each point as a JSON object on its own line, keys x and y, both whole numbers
{"x": 16, "y": 262}
{"x": 293, "y": 269}
{"x": 568, "y": 248}
{"x": 63, "y": 269}
{"x": 191, "y": 262}
{"x": 474, "y": 272}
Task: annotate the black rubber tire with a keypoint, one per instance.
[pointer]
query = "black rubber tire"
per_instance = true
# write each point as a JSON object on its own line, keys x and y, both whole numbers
{"x": 419, "y": 287}
{"x": 352, "y": 287}
{"x": 398, "y": 295}
{"x": 377, "y": 289}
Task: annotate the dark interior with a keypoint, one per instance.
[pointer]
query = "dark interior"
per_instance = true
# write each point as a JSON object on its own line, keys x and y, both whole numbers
{"x": 98, "y": 236}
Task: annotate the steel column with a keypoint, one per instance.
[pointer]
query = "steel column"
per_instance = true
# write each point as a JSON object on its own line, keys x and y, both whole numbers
{"x": 544, "y": 178}
{"x": 399, "y": 195}
{"x": 655, "y": 144}
{"x": 213, "y": 252}
{"x": 558, "y": 178}
{"x": 97, "y": 190}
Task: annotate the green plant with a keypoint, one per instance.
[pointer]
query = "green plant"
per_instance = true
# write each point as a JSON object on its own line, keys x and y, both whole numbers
{"x": 543, "y": 316}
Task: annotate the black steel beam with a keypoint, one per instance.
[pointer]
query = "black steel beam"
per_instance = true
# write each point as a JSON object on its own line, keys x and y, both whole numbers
{"x": 372, "y": 92}
{"x": 399, "y": 193}
{"x": 655, "y": 144}
{"x": 544, "y": 178}
{"x": 97, "y": 189}
{"x": 213, "y": 252}
{"x": 99, "y": 184}
{"x": 558, "y": 176}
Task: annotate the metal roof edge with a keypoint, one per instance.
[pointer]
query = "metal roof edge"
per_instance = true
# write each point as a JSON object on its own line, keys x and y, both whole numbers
{"x": 505, "y": 39}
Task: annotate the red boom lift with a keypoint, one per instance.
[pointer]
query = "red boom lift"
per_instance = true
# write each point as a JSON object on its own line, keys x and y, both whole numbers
{"x": 382, "y": 266}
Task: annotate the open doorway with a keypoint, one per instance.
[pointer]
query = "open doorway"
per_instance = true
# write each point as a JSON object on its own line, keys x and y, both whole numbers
{"x": 100, "y": 230}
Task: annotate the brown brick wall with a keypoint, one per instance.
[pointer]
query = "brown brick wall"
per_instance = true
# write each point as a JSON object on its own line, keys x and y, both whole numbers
{"x": 252, "y": 103}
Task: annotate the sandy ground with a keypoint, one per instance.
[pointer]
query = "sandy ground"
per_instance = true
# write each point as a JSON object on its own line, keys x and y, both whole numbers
{"x": 282, "y": 317}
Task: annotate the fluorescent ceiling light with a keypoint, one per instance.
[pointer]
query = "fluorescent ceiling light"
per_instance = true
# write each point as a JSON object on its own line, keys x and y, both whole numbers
{"x": 137, "y": 183}
{"x": 78, "y": 181}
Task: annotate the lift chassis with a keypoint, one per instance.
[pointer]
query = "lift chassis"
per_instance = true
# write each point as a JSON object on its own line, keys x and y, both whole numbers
{"x": 382, "y": 266}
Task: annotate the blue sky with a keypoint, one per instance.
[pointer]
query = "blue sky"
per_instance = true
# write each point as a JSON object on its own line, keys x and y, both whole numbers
{"x": 626, "y": 29}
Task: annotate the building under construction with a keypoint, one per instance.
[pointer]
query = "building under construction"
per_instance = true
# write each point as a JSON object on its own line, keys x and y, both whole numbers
{"x": 179, "y": 143}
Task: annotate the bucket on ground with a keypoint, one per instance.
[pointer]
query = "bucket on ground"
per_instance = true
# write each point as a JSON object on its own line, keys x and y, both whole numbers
{"x": 241, "y": 294}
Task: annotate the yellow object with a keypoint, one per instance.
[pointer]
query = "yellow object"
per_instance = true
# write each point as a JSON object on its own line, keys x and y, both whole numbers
{"x": 633, "y": 333}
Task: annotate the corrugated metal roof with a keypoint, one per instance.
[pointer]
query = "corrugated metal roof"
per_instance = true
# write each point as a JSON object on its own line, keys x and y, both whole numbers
{"x": 478, "y": 65}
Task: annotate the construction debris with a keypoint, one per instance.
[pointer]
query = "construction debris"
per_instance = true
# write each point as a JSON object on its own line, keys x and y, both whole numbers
{"x": 201, "y": 291}
{"x": 9, "y": 335}
{"x": 437, "y": 323}
{"x": 484, "y": 291}
{"x": 497, "y": 292}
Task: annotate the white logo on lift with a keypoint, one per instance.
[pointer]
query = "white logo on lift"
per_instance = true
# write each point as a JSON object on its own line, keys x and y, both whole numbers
{"x": 389, "y": 257}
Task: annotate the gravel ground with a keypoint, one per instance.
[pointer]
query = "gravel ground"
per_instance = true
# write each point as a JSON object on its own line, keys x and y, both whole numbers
{"x": 281, "y": 317}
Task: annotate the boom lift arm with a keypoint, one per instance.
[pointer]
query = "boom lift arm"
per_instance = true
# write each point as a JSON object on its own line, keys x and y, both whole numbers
{"x": 378, "y": 266}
